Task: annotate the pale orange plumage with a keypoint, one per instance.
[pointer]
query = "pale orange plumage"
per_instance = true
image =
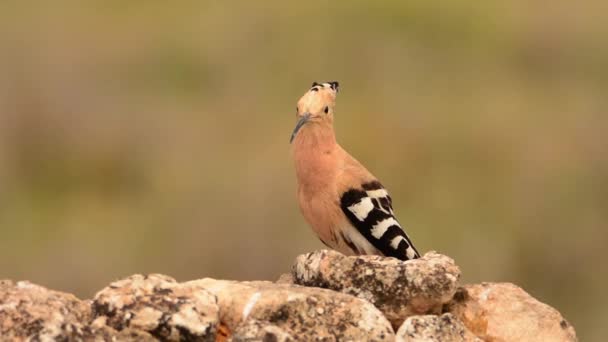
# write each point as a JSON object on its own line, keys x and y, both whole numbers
{"x": 341, "y": 200}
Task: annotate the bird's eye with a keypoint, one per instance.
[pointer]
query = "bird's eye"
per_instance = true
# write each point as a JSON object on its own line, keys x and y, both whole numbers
{"x": 326, "y": 109}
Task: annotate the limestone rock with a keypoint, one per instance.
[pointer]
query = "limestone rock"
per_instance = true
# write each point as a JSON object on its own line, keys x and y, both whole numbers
{"x": 505, "y": 312}
{"x": 398, "y": 288}
{"x": 429, "y": 328}
{"x": 344, "y": 301}
{"x": 285, "y": 278}
{"x": 159, "y": 305}
{"x": 300, "y": 312}
{"x": 254, "y": 330}
{"x": 32, "y": 312}
{"x": 98, "y": 331}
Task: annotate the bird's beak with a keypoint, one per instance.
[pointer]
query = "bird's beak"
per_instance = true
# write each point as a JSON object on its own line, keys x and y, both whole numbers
{"x": 301, "y": 121}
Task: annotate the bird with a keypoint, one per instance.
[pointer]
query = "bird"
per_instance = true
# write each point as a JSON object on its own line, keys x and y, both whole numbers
{"x": 345, "y": 204}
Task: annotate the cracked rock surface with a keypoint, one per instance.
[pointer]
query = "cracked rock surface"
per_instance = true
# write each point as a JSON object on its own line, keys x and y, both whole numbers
{"x": 318, "y": 314}
{"x": 398, "y": 288}
{"x": 505, "y": 312}
{"x": 31, "y": 311}
{"x": 160, "y": 306}
{"x": 445, "y": 328}
{"x": 254, "y": 330}
{"x": 326, "y": 297}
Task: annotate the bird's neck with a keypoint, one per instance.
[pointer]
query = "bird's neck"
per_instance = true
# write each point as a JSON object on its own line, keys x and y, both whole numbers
{"x": 315, "y": 136}
{"x": 315, "y": 153}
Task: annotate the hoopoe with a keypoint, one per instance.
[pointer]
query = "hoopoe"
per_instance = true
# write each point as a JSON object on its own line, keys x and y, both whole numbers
{"x": 344, "y": 203}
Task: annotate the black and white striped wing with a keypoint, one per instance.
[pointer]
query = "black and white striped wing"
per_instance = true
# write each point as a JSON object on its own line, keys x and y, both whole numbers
{"x": 370, "y": 210}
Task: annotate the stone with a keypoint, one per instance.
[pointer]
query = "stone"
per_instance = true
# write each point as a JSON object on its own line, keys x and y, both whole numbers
{"x": 505, "y": 312}
{"x": 285, "y": 278}
{"x": 428, "y": 328}
{"x": 398, "y": 288}
{"x": 32, "y": 312}
{"x": 343, "y": 299}
{"x": 98, "y": 331}
{"x": 158, "y": 305}
{"x": 254, "y": 330}
{"x": 299, "y": 312}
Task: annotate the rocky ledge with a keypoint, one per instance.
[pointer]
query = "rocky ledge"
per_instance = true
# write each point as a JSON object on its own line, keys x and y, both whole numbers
{"x": 326, "y": 297}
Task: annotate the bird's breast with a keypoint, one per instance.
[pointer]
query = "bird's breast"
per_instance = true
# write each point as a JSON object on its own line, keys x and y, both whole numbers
{"x": 322, "y": 212}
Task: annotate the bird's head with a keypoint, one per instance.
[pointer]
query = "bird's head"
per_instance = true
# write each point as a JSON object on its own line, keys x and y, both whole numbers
{"x": 316, "y": 105}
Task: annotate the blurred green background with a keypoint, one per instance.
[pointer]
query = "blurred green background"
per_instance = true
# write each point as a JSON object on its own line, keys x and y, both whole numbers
{"x": 152, "y": 136}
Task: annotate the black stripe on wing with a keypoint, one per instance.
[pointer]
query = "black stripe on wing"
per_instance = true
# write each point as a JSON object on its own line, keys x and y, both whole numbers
{"x": 369, "y": 211}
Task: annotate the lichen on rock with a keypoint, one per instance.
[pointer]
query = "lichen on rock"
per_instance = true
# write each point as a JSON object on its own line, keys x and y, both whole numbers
{"x": 298, "y": 311}
{"x": 327, "y": 297}
{"x": 32, "y": 312}
{"x": 503, "y": 311}
{"x": 444, "y": 328}
{"x": 254, "y": 330}
{"x": 157, "y": 304}
{"x": 398, "y": 288}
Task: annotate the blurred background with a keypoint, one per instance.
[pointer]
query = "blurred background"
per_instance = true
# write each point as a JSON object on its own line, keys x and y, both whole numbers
{"x": 148, "y": 136}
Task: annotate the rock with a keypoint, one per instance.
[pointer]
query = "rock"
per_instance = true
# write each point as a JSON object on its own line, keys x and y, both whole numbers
{"x": 468, "y": 311}
{"x": 160, "y": 306}
{"x": 254, "y": 330}
{"x": 398, "y": 288}
{"x": 32, "y": 312}
{"x": 98, "y": 331}
{"x": 434, "y": 328}
{"x": 297, "y": 311}
{"x": 344, "y": 301}
{"x": 285, "y": 278}
{"x": 505, "y": 312}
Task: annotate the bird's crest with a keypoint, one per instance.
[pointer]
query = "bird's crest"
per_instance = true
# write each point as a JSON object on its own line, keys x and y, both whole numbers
{"x": 333, "y": 85}
{"x": 319, "y": 99}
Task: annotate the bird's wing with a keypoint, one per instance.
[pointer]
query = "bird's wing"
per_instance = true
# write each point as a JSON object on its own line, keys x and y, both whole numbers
{"x": 370, "y": 210}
